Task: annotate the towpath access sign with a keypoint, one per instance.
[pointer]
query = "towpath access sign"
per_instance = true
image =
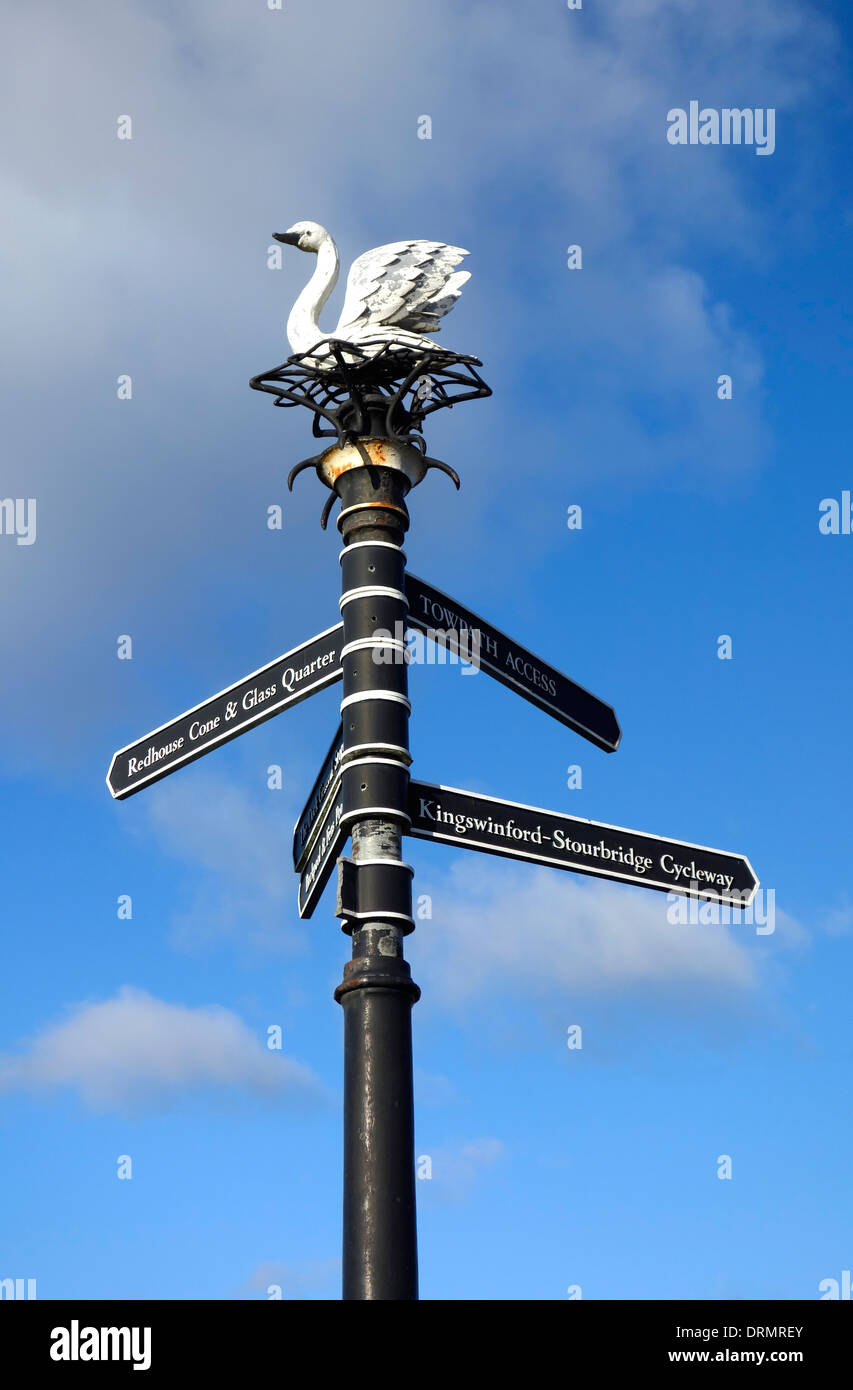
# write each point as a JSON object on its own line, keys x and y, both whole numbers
{"x": 441, "y": 618}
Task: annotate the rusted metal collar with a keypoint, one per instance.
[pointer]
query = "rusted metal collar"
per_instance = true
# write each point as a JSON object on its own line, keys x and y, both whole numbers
{"x": 380, "y": 453}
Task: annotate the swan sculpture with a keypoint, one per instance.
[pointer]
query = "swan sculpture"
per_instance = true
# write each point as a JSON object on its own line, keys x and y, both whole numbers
{"x": 395, "y": 294}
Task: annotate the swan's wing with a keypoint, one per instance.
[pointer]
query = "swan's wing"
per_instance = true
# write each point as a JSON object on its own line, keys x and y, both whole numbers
{"x": 409, "y": 284}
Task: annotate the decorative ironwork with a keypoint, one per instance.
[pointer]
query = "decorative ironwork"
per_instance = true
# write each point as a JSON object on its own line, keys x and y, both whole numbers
{"x": 373, "y": 391}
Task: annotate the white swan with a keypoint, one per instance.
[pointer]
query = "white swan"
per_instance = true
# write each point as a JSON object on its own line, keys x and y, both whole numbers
{"x": 395, "y": 293}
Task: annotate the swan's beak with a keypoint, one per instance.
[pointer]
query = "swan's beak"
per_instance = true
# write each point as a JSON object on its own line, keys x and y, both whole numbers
{"x": 289, "y": 238}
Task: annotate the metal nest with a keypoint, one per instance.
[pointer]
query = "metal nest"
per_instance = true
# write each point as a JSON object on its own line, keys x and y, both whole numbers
{"x": 375, "y": 389}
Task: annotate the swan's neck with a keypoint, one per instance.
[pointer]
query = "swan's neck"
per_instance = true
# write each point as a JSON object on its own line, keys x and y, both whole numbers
{"x": 303, "y": 328}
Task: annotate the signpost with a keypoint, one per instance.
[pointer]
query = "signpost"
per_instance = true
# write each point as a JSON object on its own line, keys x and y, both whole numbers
{"x": 585, "y": 846}
{"x": 371, "y": 394}
{"x": 440, "y": 617}
{"x": 284, "y": 682}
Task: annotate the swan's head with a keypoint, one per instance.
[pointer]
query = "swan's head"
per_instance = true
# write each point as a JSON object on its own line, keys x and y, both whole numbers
{"x": 308, "y": 236}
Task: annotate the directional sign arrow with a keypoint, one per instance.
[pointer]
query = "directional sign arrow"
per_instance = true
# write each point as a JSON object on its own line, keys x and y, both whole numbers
{"x": 584, "y": 846}
{"x": 284, "y": 682}
{"x": 326, "y": 845}
{"x": 324, "y": 788}
{"x": 441, "y": 617}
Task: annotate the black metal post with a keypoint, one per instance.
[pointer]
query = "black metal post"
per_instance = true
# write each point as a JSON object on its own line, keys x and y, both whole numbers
{"x": 375, "y": 893}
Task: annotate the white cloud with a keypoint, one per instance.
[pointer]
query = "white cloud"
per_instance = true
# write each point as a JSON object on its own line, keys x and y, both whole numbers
{"x": 248, "y": 889}
{"x": 839, "y": 921}
{"x": 539, "y": 935}
{"x": 135, "y": 1050}
{"x": 457, "y": 1167}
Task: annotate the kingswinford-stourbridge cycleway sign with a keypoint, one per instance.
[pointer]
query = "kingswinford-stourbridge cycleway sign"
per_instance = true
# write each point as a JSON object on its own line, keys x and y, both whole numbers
{"x": 508, "y": 828}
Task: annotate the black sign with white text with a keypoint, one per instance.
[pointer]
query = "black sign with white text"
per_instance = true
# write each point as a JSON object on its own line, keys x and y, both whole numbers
{"x": 322, "y": 790}
{"x": 584, "y": 846}
{"x": 441, "y": 618}
{"x": 284, "y": 682}
{"x": 326, "y": 845}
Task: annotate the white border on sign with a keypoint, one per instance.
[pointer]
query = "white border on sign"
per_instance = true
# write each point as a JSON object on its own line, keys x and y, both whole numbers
{"x": 264, "y": 713}
{"x": 501, "y": 675}
{"x": 667, "y": 885}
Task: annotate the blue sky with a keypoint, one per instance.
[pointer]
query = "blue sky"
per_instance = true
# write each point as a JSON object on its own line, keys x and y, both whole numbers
{"x": 147, "y": 1037}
